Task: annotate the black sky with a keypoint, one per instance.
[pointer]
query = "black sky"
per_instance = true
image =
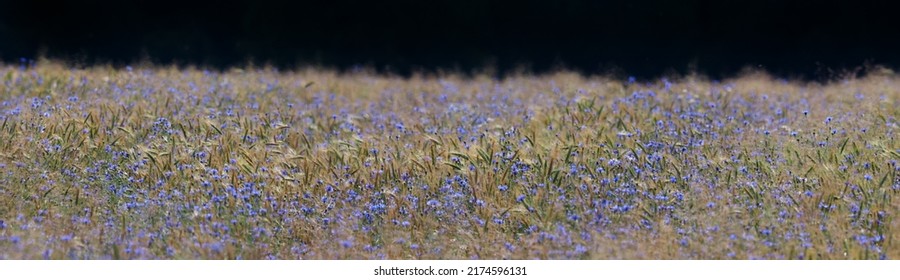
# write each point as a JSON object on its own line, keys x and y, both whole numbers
{"x": 644, "y": 38}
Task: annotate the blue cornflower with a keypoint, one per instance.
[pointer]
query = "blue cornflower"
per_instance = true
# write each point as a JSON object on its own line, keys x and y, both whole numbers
{"x": 461, "y": 131}
{"x": 249, "y": 185}
{"x": 433, "y": 203}
{"x": 36, "y": 103}
{"x": 502, "y": 188}
{"x": 510, "y": 247}
{"x": 377, "y": 207}
{"x": 580, "y": 249}
{"x": 479, "y": 203}
{"x": 519, "y": 198}
{"x": 66, "y": 237}
{"x": 862, "y": 239}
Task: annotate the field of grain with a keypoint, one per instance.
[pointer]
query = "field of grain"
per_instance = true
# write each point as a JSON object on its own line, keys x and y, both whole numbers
{"x": 166, "y": 163}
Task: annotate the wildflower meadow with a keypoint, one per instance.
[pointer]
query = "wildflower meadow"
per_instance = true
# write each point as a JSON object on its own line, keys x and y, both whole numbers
{"x": 151, "y": 162}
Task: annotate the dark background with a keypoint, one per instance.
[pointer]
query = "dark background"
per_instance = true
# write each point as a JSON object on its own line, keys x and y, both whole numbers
{"x": 644, "y": 38}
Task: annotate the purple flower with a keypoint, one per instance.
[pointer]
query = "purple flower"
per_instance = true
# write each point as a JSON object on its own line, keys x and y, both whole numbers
{"x": 36, "y": 103}
{"x": 862, "y": 239}
{"x": 510, "y": 247}
{"x": 433, "y": 203}
{"x": 520, "y": 198}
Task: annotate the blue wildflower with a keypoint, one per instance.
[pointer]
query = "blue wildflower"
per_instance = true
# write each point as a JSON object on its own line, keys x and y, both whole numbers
{"x": 520, "y": 198}
{"x": 433, "y": 203}
{"x": 613, "y": 162}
